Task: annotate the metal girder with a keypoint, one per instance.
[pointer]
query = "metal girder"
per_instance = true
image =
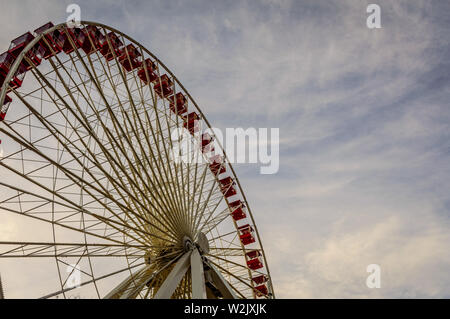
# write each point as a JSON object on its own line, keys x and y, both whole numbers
{"x": 198, "y": 276}
{"x": 221, "y": 284}
{"x": 173, "y": 279}
{"x": 130, "y": 286}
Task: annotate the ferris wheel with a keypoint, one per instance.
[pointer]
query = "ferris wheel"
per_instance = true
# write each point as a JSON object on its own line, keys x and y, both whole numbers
{"x": 90, "y": 184}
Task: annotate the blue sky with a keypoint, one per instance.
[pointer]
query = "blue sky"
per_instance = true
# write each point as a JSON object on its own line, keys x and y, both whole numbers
{"x": 364, "y": 125}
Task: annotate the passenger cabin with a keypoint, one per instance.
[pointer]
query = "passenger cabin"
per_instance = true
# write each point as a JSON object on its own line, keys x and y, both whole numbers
{"x": 77, "y": 36}
{"x": 261, "y": 291}
{"x": 54, "y": 41}
{"x": 226, "y": 186}
{"x": 246, "y": 235}
{"x": 18, "y": 44}
{"x": 207, "y": 143}
{"x": 4, "y": 107}
{"x": 238, "y": 214}
{"x": 34, "y": 55}
{"x": 217, "y": 165}
{"x": 84, "y": 43}
{"x": 260, "y": 279}
{"x": 163, "y": 86}
{"x": 7, "y": 100}
{"x": 152, "y": 69}
{"x": 191, "y": 122}
{"x": 95, "y": 36}
{"x": 112, "y": 41}
{"x": 178, "y": 103}
{"x": 6, "y": 62}
{"x": 254, "y": 262}
{"x": 130, "y": 58}
{"x": 236, "y": 204}
{"x": 237, "y": 208}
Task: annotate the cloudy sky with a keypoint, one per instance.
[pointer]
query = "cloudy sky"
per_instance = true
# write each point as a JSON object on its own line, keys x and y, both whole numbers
{"x": 364, "y": 121}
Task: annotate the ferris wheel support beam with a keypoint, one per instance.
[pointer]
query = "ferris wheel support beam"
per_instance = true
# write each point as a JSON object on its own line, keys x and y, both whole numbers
{"x": 220, "y": 282}
{"x": 123, "y": 289}
{"x": 198, "y": 276}
{"x": 173, "y": 279}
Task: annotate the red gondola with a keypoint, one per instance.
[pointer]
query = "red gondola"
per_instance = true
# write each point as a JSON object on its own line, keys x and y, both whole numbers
{"x": 217, "y": 166}
{"x": 4, "y": 107}
{"x": 254, "y": 261}
{"x": 53, "y": 40}
{"x": 163, "y": 86}
{"x": 262, "y": 290}
{"x": 178, "y": 103}
{"x": 238, "y": 214}
{"x": 236, "y": 204}
{"x": 238, "y": 210}
{"x": 130, "y": 58}
{"x": 19, "y": 43}
{"x": 226, "y": 186}
{"x": 111, "y": 41}
{"x": 260, "y": 279}
{"x": 6, "y": 62}
{"x": 207, "y": 145}
{"x": 34, "y": 55}
{"x": 77, "y": 36}
{"x": 254, "y": 264}
{"x": 95, "y": 36}
{"x": 7, "y": 100}
{"x": 152, "y": 69}
{"x": 191, "y": 122}
{"x": 253, "y": 254}
{"x": 246, "y": 235}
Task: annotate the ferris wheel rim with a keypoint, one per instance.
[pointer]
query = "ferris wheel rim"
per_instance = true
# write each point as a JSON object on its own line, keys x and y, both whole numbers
{"x": 30, "y": 45}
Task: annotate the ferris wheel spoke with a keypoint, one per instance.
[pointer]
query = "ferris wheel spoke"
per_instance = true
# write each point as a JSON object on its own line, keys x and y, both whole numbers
{"x": 205, "y": 205}
{"x": 122, "y": 168}
{"x": 198, "y": 185}
{"x": 92, "y": 176}
{"x": 140, "y": 87}
{"x": 132, "y": 126}
{"x": 55, "y": 136}
{"x": 216, "y": 221}
{"x": 226, "y": 251}
{"x": 168, "y": 169}
{"x": 104, "y": 219}
{"x": 50, "y": 191}
{"x": 137, "y": 176}
{"x": 50, "y": 201}
{"x": 46, "y": 250}
{"x": 196, "y": 206}
{"x": 132, "y": 285}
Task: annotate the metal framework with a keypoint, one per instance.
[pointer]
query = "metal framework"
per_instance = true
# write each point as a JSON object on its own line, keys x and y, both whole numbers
{"x": 87, "y": 161}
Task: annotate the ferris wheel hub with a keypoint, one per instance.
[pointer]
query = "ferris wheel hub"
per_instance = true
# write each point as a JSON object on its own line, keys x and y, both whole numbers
{"x": 188, "y": 244}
